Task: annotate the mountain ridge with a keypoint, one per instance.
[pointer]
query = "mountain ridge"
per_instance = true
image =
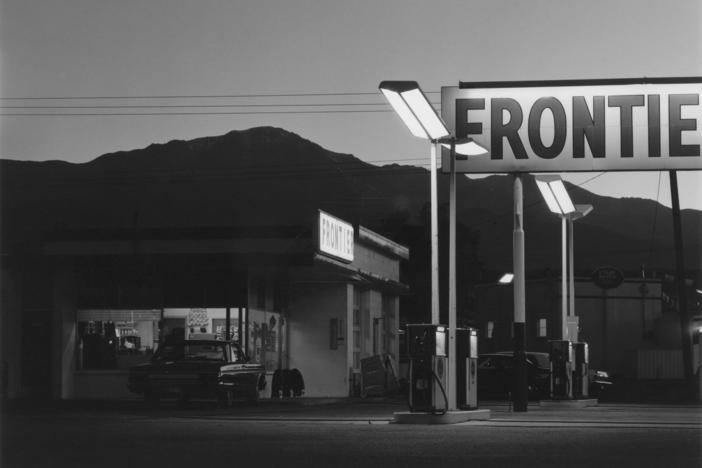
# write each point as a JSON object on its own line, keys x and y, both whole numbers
{"x": 268, "y": 175}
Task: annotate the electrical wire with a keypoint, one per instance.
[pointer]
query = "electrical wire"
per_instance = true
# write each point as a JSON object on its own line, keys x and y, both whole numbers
{"x": 170, "y": 106}
{"x": 590, "y": 179}
{"x": 161, "y": 114}
{"x": 303, "y": 106}
{"x": 198, "y": 96}
{"x": 269, "y": 109}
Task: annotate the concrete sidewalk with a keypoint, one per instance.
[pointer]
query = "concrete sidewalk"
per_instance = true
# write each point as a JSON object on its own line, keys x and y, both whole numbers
{"x": 501, "y": 414}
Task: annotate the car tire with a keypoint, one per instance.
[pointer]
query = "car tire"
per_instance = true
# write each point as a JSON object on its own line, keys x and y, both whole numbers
{"x": 226, "y": 398}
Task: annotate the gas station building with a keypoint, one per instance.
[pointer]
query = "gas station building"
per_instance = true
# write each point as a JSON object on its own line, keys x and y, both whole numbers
{"x": 317, "y": 298}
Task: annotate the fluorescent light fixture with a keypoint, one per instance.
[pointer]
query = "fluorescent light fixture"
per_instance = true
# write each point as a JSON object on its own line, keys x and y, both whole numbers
{"x": 555, "y": 194}
{"x": 549, "y": 198}
{"x": 506, "y": 278}
{"x": 415, "y": 110}
{"x": 562, "y": 197}
{"x": 425, "y": 113}
{"x": 467, "y": 147}
{"x": 401, "y": 108}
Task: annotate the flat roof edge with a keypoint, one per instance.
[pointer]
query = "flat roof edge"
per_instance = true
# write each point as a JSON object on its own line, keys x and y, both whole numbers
{"x": 375, "y": 239}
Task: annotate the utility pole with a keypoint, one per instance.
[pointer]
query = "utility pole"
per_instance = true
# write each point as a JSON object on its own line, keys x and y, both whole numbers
{"x": 685, "y": 330}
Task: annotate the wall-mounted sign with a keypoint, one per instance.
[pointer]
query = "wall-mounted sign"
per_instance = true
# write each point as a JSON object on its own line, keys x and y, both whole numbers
{"x": 335, "y": 237}
{"x": 607, "y": 277}
{"x": 561, "y": 126}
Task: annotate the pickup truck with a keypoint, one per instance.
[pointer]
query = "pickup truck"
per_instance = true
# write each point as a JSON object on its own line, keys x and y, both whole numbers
{"x": 187, "y": 369}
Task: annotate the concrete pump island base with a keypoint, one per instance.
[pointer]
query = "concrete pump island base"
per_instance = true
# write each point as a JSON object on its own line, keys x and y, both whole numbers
{"x": 569, "y": 404}
{"x": 449, "y": 417}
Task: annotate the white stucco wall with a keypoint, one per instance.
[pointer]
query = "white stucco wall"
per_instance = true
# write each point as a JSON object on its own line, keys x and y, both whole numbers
{"x": 311, "y": 308}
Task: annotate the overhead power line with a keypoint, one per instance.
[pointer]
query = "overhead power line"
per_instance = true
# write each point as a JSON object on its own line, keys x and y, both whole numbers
{"x": 177, "y": 106}
{"x": 158, "y": 114}
{"x": 167, "y": 109}
{"x": 199, "y": 96}
{"x": 264, "y": 103}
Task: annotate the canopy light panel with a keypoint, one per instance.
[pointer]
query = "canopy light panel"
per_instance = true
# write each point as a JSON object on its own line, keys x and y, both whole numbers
{"x": 415, "y": 110}
{"x": 548, "y": 196}
{"x": 466, "y": 147}
{"x": 506, "y": 278}
{"x": 555, "y": 194}
{"x": 405, "y": 113}
{"x": 581, "y": 211}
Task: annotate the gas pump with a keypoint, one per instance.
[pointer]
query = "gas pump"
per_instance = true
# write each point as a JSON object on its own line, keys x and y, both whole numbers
{"x": 467, "y": 368}
{"x": 428, "y": 373}
{"x": 561, "y": 353}
{"x": 581, "y": 379}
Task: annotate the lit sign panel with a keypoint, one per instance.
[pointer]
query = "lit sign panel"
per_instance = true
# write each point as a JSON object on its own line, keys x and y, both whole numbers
{"x": 599, "y": 125}
{"x": 335, "y": 237}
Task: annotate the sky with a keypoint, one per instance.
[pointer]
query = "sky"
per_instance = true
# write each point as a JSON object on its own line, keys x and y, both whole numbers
{"x": 85, "y": 69}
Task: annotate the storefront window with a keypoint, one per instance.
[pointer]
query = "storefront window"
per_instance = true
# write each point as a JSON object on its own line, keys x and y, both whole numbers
{"x": 200, "y": 322}
{"x": 115, "y": 339}
{"x": 119, "y": 339}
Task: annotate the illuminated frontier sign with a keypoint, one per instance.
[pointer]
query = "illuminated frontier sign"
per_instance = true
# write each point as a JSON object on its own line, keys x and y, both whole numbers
{"x": 335, "y": 237}
{"x": 599, "y": 125}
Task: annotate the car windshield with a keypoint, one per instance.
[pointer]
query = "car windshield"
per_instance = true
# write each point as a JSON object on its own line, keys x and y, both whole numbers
{"x": 192, "y": 352}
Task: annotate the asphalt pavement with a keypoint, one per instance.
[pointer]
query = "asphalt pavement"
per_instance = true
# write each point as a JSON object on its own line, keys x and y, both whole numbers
{"x": 376, "y": 411}
{"x": 313, "y": 433}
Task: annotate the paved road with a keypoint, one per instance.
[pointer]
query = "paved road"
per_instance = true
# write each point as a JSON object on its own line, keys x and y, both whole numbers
{"x": 348, "y": 434}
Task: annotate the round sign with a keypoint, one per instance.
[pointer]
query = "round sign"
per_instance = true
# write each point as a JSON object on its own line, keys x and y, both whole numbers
{"x": 607, "y": 277}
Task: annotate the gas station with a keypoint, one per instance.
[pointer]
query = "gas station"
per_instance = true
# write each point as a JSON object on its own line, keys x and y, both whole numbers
{"x": 645, "y": 124}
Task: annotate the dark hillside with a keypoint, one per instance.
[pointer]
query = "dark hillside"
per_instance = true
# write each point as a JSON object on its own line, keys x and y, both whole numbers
{"x": 270, "y": 177}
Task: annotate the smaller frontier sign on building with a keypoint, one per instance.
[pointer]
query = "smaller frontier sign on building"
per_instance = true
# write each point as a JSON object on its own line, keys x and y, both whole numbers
{"x": 588, "y": 125}
{"x": 335, "y": 237}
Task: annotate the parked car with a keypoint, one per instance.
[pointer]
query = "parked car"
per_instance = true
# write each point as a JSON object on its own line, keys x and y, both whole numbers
{"x": 495, "y": 373}
{"x": 599, "y": 380}
{"x": 187, "y": 369}
{"x": 538, "y": 377}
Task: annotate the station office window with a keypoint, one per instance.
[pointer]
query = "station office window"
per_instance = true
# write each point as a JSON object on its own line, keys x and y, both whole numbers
{"x": 489, "y": 329}
{"x": 119, "y": 339}
{"x": 542, "y": 328}
{"x": 115, "y": 339}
